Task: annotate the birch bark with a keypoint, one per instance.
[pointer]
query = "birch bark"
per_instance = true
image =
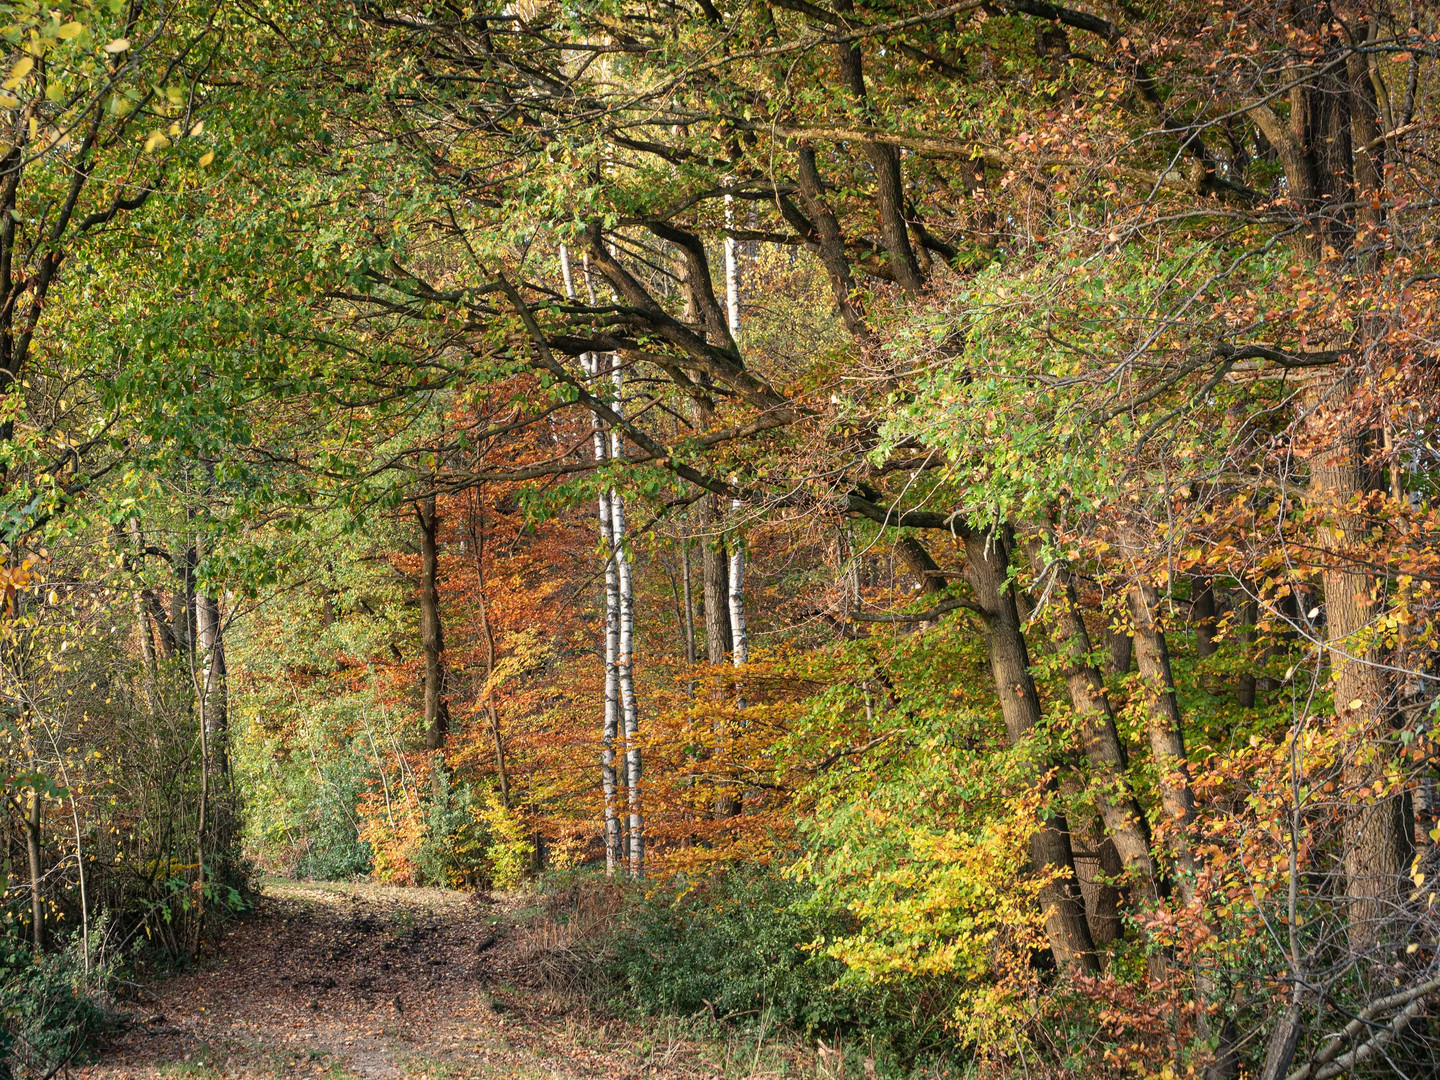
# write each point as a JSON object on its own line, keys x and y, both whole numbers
{"x": 609, "y": 780}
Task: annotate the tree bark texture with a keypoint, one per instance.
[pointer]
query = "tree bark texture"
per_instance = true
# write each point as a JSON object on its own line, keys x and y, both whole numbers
{"x": 432, "y": 639}
{"x": 1376, "y": 831}
{"x": 987, "y": 570}
{"x": 1167, "y": 740}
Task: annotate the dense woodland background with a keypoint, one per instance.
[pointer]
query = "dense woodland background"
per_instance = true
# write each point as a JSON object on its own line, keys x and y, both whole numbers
{"x": 941, "y": 496}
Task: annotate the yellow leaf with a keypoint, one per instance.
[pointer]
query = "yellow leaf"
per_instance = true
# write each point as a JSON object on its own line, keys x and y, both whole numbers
{"x": 70, "y": 30}
{"x": 1357, "y": 703}
{"x": 157, "y": 141}
{"x": 8, "y": 102}
{"x": 206, "y": 158}
{"x": 175, "y": 130}
{"x": 19, "y": 71}
{"x": 119, "y": 45}
{"x": 197, "y": 128}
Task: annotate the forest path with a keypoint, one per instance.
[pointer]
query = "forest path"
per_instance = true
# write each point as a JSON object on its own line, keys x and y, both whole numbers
{"x": 368, "y": 981}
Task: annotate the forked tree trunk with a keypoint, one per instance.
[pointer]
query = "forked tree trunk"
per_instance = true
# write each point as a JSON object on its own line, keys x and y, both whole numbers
{"x": 1097, "y": 867}
{"x": 987, "y": 570}
{"x": 1124, "y": 819}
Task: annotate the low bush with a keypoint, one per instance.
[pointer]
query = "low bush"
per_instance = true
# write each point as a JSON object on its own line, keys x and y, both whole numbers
{"x": 741, "y": 948}
{"x": 50, "y": 1006}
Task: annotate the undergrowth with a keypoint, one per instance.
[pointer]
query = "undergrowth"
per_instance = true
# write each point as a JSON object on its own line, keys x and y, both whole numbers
{"x": 739, "y": 952}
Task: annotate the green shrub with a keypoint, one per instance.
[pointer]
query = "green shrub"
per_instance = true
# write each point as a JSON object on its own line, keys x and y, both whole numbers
{"x": 740, "y": 948}
{"x": 735, "y": 947}
{"x": 49, "y": 1006}
{"x": 453, "y": 851}
{"x": 333, "y": 850}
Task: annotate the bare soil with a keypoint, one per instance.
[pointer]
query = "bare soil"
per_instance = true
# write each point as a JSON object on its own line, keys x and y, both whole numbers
{"x": 382, "y": 983}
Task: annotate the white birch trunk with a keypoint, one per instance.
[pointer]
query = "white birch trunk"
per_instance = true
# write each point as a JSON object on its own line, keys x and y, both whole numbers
{"x": 732, "y": 272}
{"x": 739, "y": 643}
{"x": 621, "y": 559}
{"x": 614, "y": 848}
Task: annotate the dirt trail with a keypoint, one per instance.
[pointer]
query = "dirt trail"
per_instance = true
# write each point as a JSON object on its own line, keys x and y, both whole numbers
{"x": 368, "y": 981}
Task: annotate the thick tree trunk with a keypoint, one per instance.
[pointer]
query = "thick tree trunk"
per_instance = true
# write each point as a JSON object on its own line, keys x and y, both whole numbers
{"x": 1376, "y": 832}
{"x": 1119, "y": 650}
{"x": 987, "y": 570}
{"x": 437, "y": 713}
{"x": 1097, "y": 866}
{"x": 1167, "y": 740}
{"x": 919, "y": 562}
{"x": 885, "y": 161}
{"x": 715, "y": 575}
{"x": 1119, "y": 809}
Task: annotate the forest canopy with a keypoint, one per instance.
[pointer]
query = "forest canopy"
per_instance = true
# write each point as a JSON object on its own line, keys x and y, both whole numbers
{"x": 958, "y": 477}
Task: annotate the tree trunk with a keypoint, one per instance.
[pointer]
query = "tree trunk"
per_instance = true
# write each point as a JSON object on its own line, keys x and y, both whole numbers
{"x": 32, "y": 849}
{"x": 1120, "y": 651}
{"x": 477, "y": 544}
{"x": 437, "y": 713}
{"x": 1203, "y": 614}
{"x": 610, "y": 729}
{"x": 182, "y": 603}
{"x": 885, "y": 161}
{"x": 610, "y": 722}
{"x": 625, "y": 657}
{"x": 920, "y": 563}
{"x": 1167, "y": 740}
{"x": 740, "y": 650}
{"x": 1376, "y": 832}
{"x": 1124, "y": 819}
{"x": 1245, "y": 685}
{"x": 1097, "y": 867}
{"x": 214, "y": 687}
{"x": 987, "y": 570}
{"x": 689, "y": 603}
{"x": 715, "y": 574}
